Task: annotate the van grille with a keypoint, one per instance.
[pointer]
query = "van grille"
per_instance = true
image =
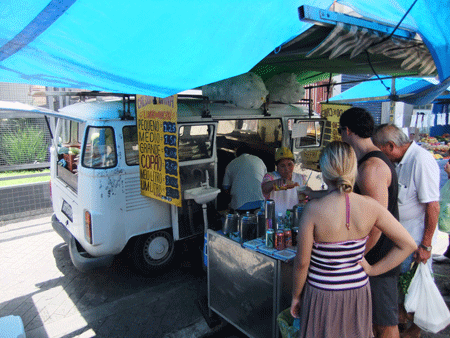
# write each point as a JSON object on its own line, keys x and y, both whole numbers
{"x": 133, "y": 198}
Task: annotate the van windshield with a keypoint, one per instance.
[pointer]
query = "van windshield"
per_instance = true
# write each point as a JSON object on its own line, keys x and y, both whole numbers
{"x": 100, "y": 148}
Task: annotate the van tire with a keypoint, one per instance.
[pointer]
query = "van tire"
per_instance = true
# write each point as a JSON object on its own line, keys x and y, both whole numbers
{"x": 153, "y": 252}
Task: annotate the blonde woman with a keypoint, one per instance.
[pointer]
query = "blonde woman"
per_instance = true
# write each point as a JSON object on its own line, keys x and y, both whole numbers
{"x": 331, "y": 293}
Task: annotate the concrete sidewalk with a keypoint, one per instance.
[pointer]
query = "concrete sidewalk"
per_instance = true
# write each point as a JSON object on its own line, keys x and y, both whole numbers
{"x": 53, "y": 299}
{"x": 40, "y": 284}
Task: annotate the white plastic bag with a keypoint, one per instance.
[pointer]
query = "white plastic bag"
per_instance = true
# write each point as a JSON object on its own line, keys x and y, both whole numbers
{"x": 246, "y": 91}
{"x": 425, "y": 301}
{"x": 285, "y": 88}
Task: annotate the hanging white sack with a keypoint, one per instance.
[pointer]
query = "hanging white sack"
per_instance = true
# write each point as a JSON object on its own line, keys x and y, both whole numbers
{"x": 218, "y": 91}
{"x": 425, "y": 301}
{"x": 246, "y": 91}
{"x": 285, "y": 88}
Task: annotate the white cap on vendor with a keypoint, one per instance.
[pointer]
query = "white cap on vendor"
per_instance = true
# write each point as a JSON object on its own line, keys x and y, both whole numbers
{"x": 283, "y": 153}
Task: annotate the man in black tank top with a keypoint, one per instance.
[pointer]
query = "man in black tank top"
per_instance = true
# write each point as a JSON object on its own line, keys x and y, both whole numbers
{"x": 377, "y": 178}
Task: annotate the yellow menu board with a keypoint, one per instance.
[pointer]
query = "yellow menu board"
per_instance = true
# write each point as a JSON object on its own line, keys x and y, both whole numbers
{"x": 332, "y": 112}
{"x": 158, "y": 148}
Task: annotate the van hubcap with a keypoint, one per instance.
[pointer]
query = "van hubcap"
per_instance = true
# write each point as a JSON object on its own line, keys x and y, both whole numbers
{"x": 157, "y": 248}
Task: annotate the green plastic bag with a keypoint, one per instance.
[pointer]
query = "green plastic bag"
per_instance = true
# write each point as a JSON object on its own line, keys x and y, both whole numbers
{"x": 444, "y": 213}
{"x": 286, "y": 324}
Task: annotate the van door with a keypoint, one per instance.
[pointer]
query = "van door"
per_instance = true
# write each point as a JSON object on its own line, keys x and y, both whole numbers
{"x": 69, "y": 135}
{"x": 197, "y": 155}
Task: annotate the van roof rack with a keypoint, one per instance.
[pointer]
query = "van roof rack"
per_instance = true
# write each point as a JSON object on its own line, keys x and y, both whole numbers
{"x": 83, "y": 95}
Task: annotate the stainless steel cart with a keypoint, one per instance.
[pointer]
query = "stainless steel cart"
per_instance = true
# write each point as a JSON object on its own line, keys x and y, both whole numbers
{"x": 247, "y": 288}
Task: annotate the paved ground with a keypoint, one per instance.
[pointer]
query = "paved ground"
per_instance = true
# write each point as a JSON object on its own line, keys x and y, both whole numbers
{"x": 39, "y": 284}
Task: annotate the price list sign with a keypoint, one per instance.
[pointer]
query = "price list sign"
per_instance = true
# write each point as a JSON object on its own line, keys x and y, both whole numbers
{"x": 332, "y": 112}
{"x": 158, "y": 148}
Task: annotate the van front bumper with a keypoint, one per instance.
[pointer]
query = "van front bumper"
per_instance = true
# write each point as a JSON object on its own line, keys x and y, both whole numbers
{"x": 81, "y": 260}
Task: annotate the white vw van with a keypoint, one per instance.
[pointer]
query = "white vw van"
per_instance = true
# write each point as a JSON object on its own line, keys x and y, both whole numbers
{"x": 95, "y": 182}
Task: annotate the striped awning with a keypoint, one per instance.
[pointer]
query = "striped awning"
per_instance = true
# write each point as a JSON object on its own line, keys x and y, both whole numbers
{"x": 354, "y": 40}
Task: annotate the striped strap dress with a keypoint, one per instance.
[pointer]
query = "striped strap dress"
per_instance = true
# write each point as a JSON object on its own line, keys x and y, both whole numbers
{"x": 336, "y": 301}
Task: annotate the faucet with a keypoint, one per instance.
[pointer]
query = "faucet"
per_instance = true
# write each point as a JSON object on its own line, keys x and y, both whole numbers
{"x": 206, "y": 184}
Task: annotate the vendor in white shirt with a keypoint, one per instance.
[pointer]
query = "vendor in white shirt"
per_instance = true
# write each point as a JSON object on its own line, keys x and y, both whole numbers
{"x": 281, "y": 185}
{"x": 242, "y": 180}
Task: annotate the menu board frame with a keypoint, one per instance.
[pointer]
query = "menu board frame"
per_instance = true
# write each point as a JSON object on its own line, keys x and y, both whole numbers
{"x": 332, "y": 113}
{"x": 159, "y": 170}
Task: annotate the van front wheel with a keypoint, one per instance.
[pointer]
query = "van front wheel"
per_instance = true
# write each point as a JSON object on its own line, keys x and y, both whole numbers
{"x": 152, "y": 252}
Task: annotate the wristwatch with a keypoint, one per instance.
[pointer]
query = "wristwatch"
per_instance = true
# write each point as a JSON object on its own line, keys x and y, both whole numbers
{"x": 428, "y": 248}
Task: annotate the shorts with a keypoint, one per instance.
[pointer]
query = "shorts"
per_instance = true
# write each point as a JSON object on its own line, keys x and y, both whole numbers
{"x": 384, "y": 300}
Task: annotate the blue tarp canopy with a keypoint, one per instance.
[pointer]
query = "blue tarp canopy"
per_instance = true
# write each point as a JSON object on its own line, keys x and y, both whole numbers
{"x": 163, "y": 47}
{"x": 408, "y": 90}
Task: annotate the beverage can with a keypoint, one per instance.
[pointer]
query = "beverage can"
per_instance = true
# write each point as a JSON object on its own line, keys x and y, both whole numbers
{"x": 279, "y": 240}
{"x": 280, "y": 221}
{"x": 287, "y": 238}
{"x": 270, "y": 238}
{"x": 294, "y": 236}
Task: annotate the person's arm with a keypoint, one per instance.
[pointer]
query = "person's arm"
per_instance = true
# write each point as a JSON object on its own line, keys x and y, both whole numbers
{"x": 269, "y": 186}
{"x": 278, "y": 184}
{"x": 374, "y": 178}
{"x": 426, "y": 179}
{"x": 316, "y": 194}
{"x": 302, "y": 259}
{"x": 404, "y": 244}
{"x": 431, "y": 218}
{"x": 447, "y": 169}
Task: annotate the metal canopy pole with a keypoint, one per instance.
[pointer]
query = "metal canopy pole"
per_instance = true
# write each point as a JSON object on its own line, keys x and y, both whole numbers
{"x": 392, "y": 102}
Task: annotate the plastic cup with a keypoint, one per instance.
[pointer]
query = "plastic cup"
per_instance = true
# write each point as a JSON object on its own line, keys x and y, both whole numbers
{"x": 301, "y": 193}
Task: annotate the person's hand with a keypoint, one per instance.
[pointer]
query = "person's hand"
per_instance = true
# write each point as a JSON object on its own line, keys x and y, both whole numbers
{"x": 447, "y": 168}
{"x": 295, "y": 308}
{"x": 291, "y": 184}
{"x": 421, "y": 255}
{"x": 366, "y": 266}
{"x": 303, "y": 193}
{"x": 284, "y": 184}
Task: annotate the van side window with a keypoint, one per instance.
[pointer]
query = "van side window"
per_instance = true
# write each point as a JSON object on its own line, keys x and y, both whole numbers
{"x": 100, "y": 148}
{"x": 130, "y": 142}
{"x": 70, "y": 134}
{"x": 306, "y": 133}
{"x": 262, "y": 135}
{"x": 255, "y": 132}
{"x": 195, "y": 142}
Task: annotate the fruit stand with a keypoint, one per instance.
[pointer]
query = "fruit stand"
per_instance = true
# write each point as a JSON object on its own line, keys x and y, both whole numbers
{"x": 439, "y": 145}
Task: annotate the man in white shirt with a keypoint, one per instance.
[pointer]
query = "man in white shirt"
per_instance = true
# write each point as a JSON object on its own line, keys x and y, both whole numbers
{"x": 242, "y": 180}
{"x": 418, "y": 195}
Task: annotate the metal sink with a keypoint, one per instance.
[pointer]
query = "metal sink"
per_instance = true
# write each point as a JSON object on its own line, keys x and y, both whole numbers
{"x": 202, "y": 194}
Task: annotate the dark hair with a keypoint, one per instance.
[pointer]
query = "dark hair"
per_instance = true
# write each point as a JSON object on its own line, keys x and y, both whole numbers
{"x": 359, "y": 121}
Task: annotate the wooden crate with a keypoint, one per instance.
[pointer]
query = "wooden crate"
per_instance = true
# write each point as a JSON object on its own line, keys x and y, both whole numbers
{"x": 72, "y": 161}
